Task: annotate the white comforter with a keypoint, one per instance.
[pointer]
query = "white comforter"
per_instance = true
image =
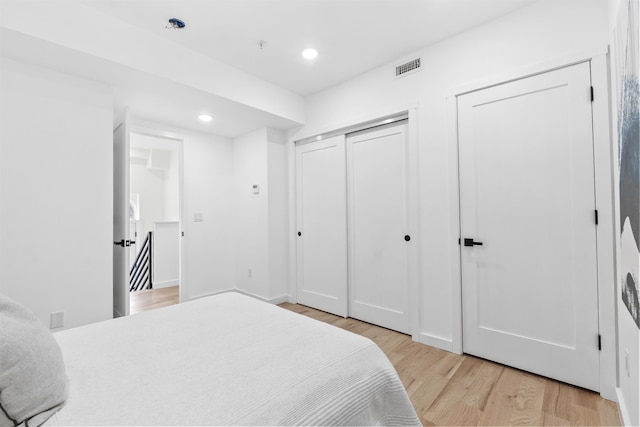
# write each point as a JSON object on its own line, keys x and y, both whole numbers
{"x": 227, "y": 360}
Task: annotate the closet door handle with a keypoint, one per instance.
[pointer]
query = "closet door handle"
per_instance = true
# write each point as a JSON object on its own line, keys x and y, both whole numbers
{"x": 407, "y": 238}
{"x": 299, "y": 233}
{"x": 471, "y": 242}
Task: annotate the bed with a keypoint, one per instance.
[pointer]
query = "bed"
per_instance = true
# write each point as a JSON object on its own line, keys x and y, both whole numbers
{"x": 227, "y": 360}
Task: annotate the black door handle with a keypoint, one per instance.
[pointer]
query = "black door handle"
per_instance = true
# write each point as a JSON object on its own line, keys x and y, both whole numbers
{"x": 124, "y": 243}
{"x": 120, "y": 243}
{"x": 470, "y": 242}
{"x": 407, "y": 238}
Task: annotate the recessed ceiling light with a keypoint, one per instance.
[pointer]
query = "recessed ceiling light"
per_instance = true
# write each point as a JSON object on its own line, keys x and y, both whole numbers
{"x": 205, "y": 117}
{"x": 309, "y": 53}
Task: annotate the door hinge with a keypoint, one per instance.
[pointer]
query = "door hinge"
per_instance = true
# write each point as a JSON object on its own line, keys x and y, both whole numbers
{"x": 592, "y": 98}
{"x": 596, "y": 216}
{"x": 599, "y": 342}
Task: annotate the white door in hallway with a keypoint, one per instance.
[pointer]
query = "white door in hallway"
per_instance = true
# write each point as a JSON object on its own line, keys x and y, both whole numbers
{"x": 322, "y": 225}
{"x": 527, "y": 204}
{"x": 121, "y": 233}
{"x": 378, "y": 226}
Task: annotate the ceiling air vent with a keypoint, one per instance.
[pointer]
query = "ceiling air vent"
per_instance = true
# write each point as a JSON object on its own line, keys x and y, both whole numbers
{"x": 408, "y": 68}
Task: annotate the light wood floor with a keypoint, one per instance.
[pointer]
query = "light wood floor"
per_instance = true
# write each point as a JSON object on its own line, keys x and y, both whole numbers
{"x": 150, "y": 299}
{"x": 448, "y": 389}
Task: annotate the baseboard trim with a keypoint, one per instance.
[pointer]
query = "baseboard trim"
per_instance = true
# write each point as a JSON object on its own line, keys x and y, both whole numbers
{"x": 276, "y": 300}
{"x": 433, "y": 341}
{"x": 166, "y": 284}
{"x": 622, "y": 408}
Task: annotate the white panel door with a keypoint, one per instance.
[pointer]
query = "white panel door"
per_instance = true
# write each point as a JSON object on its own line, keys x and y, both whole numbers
{"x": 378, "y": 237}
{"x": 121, "y": 234}
{"x": 322, "y": 225}
{"x": 527, "y": 195}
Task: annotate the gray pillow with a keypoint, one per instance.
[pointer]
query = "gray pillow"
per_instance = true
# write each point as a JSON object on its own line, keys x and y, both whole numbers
{"x": 33, "y": 382}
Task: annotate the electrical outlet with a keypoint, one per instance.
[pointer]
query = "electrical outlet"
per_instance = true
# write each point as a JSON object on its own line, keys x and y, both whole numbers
{"x": 57, "y": 320}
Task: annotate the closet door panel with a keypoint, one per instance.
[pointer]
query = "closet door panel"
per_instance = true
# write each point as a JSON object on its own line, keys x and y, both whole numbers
{"x": 322, "y": 225}
{"x": 378, "y": 249}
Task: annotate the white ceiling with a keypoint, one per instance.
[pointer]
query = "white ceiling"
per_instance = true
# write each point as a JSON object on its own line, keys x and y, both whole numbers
{"x": 150, "y": 98}
{"x": 352, "y": 36}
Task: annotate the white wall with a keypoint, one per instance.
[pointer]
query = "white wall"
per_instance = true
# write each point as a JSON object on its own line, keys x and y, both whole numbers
{"x": 172, "y": 188}
{"x": 56, "y": 193}
{"x": 261, "y": 220}
{"x": 207, "y": 188}
{"x": 251, "y": 212}
{"x": 156, "y": 183}
{"x": 166, "y": 254}
{"x": 149, "y": 184}
{"x": 278, "y": 214}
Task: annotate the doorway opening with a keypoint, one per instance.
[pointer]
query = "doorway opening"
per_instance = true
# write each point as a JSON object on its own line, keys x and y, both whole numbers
{"x": 154, "y": 222}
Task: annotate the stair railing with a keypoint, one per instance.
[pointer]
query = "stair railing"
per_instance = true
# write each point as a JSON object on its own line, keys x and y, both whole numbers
{"x": 140, "y": 274}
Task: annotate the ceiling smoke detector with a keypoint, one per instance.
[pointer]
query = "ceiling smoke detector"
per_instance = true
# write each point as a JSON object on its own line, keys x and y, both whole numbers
{"x": 175, "y": 23}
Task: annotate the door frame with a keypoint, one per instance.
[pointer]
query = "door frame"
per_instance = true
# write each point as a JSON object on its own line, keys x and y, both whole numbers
{"x": 604, "y": 174}
{"x": 413, "y": 194}
{"x": 178, "y": 139}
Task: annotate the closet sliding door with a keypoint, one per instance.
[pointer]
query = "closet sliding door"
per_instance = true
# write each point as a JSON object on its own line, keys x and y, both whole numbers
{"x": 322, "y": 225}
{"x": 378, "y": 226}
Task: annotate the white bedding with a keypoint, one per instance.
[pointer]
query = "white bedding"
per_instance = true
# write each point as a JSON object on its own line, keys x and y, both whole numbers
{"x": 227, "y": 360}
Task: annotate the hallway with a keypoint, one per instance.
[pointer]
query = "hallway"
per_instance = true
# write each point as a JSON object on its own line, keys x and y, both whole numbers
{"x": 151, "y": 299}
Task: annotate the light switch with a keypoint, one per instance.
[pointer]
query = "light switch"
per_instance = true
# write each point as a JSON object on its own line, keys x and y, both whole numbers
{"x": 197, "y": 217}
